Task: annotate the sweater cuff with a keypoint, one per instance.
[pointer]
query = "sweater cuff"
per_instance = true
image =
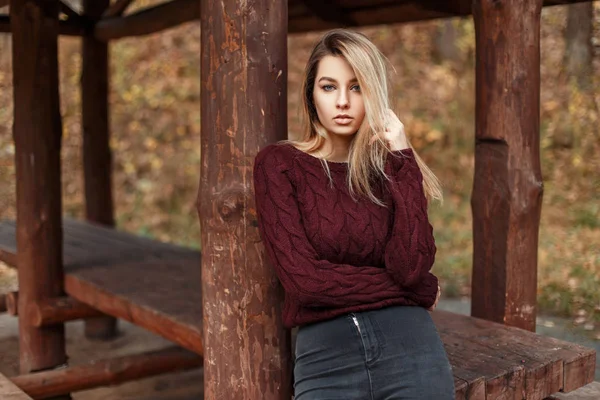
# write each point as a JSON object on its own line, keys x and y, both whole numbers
{"x": 402, "y": 161}
{"x": 426, "y": 291}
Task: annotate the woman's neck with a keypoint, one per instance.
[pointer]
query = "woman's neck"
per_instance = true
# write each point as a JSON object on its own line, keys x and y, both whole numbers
{"x": 336, "y": 149}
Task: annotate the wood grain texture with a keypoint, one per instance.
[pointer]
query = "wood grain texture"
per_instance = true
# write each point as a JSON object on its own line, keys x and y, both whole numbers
{"x": 532, "y": 365}
{"x": 37, "y": 134}
{"x": 507, "y": 188}
{"x": 243, "y": 96}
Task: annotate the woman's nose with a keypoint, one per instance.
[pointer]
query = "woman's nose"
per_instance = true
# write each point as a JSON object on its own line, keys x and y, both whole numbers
{"x": 342, "y": 101}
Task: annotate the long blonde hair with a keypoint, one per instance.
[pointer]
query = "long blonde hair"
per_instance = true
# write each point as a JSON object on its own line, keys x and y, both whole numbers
{"x": 372, "y": 72}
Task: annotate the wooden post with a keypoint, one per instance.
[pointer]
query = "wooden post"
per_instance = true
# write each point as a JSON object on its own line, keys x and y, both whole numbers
{"x": 507, "y": 189}
{"x": 97, "y": 164}
{"x": 243, "y": 95}
{"x": 37, "y": 133}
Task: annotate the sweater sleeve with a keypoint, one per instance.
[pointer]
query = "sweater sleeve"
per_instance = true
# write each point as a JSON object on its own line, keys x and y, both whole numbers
{"x": 308, "y": 280}
{"x": 410, "y": 253}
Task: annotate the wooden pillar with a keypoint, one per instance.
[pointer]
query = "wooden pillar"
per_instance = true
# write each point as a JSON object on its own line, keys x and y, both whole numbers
{"x": 243, "y": 95}
{"x": 507, "y": 189}
{"x": 37, "y": 133}
{"x": 97, "y": 163}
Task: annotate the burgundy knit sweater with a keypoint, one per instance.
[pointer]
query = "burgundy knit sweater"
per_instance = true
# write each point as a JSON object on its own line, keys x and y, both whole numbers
{"x": 334, "y": 255}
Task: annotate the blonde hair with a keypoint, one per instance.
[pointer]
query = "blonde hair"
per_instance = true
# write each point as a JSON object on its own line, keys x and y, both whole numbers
{"x": 372, "y": 72}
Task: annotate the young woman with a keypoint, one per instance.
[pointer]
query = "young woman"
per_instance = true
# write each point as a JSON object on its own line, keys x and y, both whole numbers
{"x": 343, "y": 216}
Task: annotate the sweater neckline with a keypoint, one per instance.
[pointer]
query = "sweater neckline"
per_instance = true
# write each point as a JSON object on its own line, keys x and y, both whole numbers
{"x": 333, "y": 165}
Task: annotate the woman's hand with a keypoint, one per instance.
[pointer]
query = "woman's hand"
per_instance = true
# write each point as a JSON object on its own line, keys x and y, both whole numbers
{"x": 437, "y": 297}
{"x": 394, "y": 134}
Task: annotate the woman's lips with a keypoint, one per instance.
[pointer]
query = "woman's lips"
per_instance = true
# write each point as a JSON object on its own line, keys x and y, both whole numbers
{"x": 343, "y": 120}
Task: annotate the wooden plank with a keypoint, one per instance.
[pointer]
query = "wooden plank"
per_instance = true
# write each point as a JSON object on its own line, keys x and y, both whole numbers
{"x": 87, "y": 243}
{"x": 161, "y": 296}
{"x": 507, "y": 188}
{"x": 37, "y": 132}
{"x": 551, "y": 364}
{"x": 10, "y": 391}
{"x": 243, "y": 48}
{"x": 468, "y": 385}
{"x": 543, "y": 374}
{"x": 503, "y": 378}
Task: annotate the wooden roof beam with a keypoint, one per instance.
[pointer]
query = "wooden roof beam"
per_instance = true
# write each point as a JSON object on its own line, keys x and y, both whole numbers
{"x": 117, "y": 9}
{"x": 148, "y": 21}
{"x": 329, "y": 11}
{"x": 69, "y": 27}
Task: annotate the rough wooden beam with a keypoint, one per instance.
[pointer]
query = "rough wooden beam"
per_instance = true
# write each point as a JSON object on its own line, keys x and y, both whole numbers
{"x": 392, "y": 13}
{"x": 244, "y": 52}
{"x": 97, "y": 157}
{"x": 55, "y": 311}
{"x": 330, "y": 11}
{"x": 117, "y": 9}
{"x": 507, "y": 188}
{"x": 148, "y": 21}
{"x": 37, "y": 132}
{"x": 46, "y": 384}
{"x": 67, "y": 28}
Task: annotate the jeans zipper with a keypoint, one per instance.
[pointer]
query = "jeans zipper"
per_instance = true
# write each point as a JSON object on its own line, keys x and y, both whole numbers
{"x": 356, "y": 323}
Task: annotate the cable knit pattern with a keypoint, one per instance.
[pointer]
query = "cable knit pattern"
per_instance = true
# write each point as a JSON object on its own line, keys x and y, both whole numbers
{"x": 334, "y": 255}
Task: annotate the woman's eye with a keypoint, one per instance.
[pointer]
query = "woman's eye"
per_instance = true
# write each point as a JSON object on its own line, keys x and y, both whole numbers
{"x": 356, "y": 88}
{"x": 328, "y": 88}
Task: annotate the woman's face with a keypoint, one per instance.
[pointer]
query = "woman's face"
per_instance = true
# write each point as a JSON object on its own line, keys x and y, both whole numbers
{"x": 337, "y": 97}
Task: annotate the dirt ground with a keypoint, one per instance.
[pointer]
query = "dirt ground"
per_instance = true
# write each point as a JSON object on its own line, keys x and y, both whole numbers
{"x": 132, "y": 339}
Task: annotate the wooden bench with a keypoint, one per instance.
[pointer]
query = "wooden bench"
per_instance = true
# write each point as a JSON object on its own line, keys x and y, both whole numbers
{"x": 9, "y": 391}
{"x": 158, "y": 286}
{"x": 152, "y": 284}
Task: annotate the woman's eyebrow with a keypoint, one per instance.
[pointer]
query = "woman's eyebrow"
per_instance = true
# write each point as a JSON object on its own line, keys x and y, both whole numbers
{"x": 326, "y": 78}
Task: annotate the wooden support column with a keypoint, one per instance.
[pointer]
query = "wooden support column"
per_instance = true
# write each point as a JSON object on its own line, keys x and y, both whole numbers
{"x": 243, "y": 95}
{"x": 37, "y": 133}
{"x": 507, "y": 189}
{"x": 97, "y": 159}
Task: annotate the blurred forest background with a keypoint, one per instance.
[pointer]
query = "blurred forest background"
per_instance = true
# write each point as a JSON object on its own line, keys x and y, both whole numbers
{"x": 155, "y": 124}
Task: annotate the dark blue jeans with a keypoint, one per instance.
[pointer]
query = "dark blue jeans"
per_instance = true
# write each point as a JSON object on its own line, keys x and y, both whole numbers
{"x": 388, "y": 354}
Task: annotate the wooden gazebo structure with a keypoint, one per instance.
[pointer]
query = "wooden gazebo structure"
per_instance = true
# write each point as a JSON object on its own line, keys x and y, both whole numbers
{"x": 222, "y": 309}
